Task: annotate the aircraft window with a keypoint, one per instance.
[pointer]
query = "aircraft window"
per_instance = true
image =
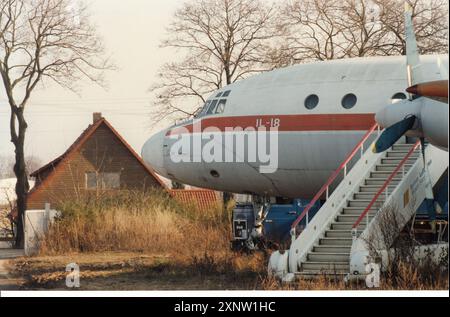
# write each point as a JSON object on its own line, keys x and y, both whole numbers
{"x": 219, "y": 94}
{"x": 311, "y": 101}
{"x": 226, "y": 93}
{"x": 221, "y": 106}
{"x": 349, "y": 101}
{"x": 212, "y": 107}
{"x": 205, "y": 108}
{"x": 399, "y": 95}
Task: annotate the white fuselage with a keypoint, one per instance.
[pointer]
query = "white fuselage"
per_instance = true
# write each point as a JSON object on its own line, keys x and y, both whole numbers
{"x": 311, "y": 142}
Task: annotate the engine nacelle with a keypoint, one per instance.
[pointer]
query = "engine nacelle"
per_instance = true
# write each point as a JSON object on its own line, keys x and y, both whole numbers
{"x": 431, "y": 117}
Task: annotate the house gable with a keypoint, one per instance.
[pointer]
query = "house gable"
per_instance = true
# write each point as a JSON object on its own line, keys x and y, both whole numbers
{"x": 100, "y": 149}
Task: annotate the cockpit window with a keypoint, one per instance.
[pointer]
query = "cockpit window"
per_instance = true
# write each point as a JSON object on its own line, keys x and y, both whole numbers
{"x": 212, "y": 107}
{"x": 226, "y": 93}
{"x": 219, "y": 95}
{"x": 204, "y": 109}
{"x": 221, "y": 106}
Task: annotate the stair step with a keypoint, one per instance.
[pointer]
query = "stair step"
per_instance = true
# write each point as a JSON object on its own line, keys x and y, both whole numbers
{"x": 370, "y": 196}
{"x": 401, "y": 146}
{"x": 402, "y": 154}
{"x": 380, "y": 182}
{"x": 336, "y": 241}
{"x": 385, "y": 175}
{"x": 391, "y": 167}
{"x": 374, "y": 188}
{"x": 325, "y": 266}
{"x": 351, "y": 218}
{"x": 333, "y": 233}
{"x": 347, "y": 226}
{"x": 357, "y": 211}
{"x": 328, "y": 257}
{"x": 397, "y": 161}
{"x": 332, "y": 249}
{"x": 363, "y": 203}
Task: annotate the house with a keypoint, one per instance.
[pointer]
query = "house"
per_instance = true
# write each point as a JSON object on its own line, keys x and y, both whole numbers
{"x": 100, "y": 160}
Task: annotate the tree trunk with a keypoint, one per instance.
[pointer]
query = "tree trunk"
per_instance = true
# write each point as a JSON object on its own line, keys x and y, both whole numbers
{"x": 22, "y": 186}
{"x": 226, "y": 195}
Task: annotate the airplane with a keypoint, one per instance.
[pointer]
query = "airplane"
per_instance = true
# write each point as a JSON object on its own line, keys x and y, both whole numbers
{"x": 318, "y": 112}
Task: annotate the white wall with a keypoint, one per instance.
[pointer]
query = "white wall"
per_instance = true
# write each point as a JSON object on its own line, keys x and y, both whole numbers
{"x": 36, "y": 224}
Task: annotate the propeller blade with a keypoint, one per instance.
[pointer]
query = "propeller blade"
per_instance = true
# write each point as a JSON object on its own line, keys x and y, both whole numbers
{"x": 412, "y": 52}
{"x": 393, "y": 134}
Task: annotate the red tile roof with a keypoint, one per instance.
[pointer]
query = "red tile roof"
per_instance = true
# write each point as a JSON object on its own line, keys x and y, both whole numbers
{"x": 202, "y": 198}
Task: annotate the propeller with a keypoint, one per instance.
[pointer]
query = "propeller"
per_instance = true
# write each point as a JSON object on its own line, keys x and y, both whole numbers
{"x": 392, "y": 134}
{"x": 416, "y": 88}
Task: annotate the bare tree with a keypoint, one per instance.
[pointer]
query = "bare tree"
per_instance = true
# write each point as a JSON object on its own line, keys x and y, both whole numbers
{"x": 42, "y": 40}
{"x": 430, "y": 24}
{"x": 6, "y": 167}
{"x": 331, "y": 29}
{"x": 32, "y": 163}
{"x": 311, "y": 30}
{"x": 219, "y": 42}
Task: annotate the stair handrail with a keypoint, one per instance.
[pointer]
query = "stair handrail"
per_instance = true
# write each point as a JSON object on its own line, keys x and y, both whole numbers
{"x": 384, "y": 188}
{"x": 325, "y": 188}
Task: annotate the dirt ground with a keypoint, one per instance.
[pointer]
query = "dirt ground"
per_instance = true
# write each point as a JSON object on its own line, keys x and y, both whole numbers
{"x": 141, "y": 271}
{"x": 7, "y": 280}
{"x": 134, "y": 271}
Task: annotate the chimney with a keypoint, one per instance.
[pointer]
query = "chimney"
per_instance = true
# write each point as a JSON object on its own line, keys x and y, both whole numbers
{"x": 96, "y": 116}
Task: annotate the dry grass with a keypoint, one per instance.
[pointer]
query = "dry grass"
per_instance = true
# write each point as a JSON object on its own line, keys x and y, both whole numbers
{"x": 141, "y": 241}
{"x": 407, "y": 277}
{"x": 138, "y": 241}
{"x": 136, "y": 222}
{"x": 5, "y": 223}
{"x": 141, "y": 271}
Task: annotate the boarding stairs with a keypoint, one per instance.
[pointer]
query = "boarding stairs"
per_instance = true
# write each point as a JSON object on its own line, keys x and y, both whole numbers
{"x": 333, "y": 243}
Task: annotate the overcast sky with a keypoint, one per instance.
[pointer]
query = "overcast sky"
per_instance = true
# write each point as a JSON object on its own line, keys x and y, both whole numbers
{"x": 132, "y": 31}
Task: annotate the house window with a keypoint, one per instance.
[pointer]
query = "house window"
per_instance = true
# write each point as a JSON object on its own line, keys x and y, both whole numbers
{"x": 91, "y": 180}
{"x": 102, "y": 180}
{"x": 110, "y": 180}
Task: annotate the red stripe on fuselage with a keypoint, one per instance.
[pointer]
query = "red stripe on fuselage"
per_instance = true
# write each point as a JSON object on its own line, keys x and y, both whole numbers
{"x": 284, "y": 123}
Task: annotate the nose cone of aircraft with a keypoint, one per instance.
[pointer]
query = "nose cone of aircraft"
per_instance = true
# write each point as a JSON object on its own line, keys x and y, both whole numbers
{"x": 152, "y": 153}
